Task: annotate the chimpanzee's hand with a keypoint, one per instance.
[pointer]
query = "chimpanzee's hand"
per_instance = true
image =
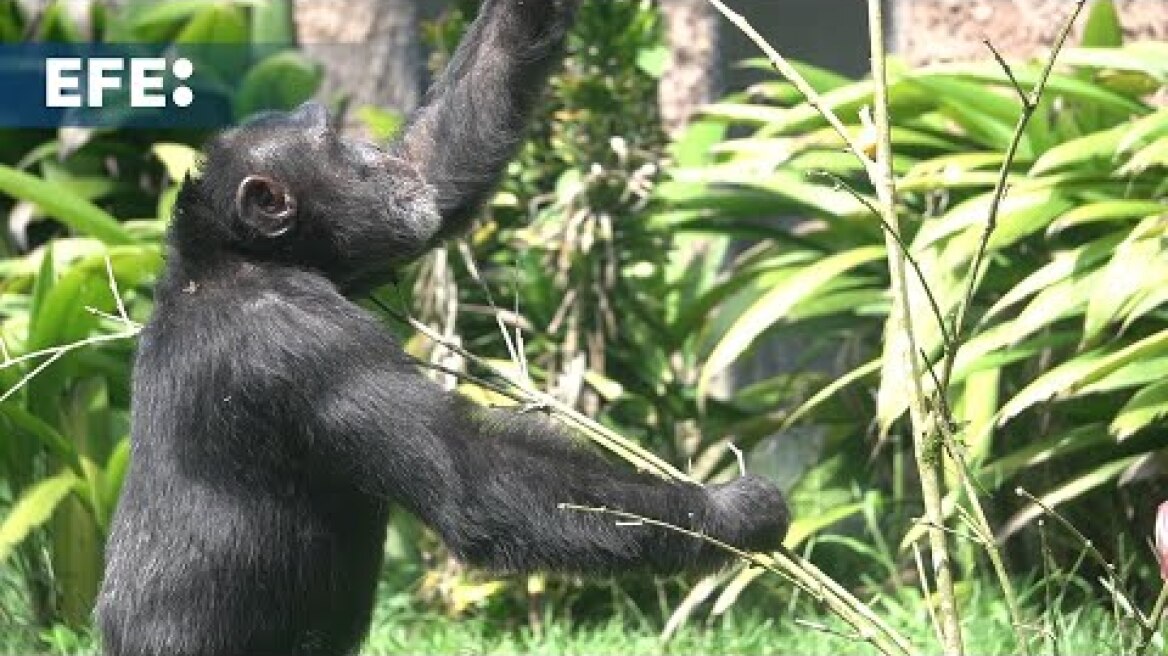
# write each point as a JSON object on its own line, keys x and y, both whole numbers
{"x": 749, "y": 513}
{"x": 537, "y": 19}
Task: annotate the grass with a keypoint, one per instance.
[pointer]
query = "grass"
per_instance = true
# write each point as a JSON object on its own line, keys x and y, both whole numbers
{"x": 746, "y": 634}
{"x": 399, "y": 626}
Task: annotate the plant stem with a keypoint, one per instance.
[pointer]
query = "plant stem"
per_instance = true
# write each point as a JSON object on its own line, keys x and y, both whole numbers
{"x": 957, "y": 333}
{"x": 1029, "y": 106}
{"x": 792, "y": 75}
{"x": 788, "y": 565}
{"x": 627, "y": 449}
{"x": 926, "y": 431}
{"x": 1149, "y": 630}
{"x": 1121, "y": 597}
{"x": 986, "y": 533}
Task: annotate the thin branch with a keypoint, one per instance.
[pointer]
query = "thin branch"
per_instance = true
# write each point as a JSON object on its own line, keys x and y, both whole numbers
{"x": 823, "y": 628}
{"x": 741, "y": 459}
{"x": 606, "y": 437}
{"x": 56, "y": 353}
{"x": 924, "y": 576}
{"x": 802, "y": 573}
{"x": 1049, "y": 626}
{"x": 471, "y": 378}
{"x": 793, "y": 76}
{"x": 514, "y": 350}
{"x": 942, "y": 325}
{"x": 1149, "y": 630}
{"x": 924, "y": 430}
{"x": 113, "y": 285}
{"x": 946, "y": 414}
{"x": 1030, "y": 104}
{"x": 1009, "y": 71}
{"x": 1092, "y": 551}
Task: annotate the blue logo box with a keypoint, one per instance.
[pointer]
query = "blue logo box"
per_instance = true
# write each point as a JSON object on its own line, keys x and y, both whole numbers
{"x": 48, "y": 85}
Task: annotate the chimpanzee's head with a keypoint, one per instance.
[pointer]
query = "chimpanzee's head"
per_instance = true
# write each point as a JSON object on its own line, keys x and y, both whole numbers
{"x": 287, "y": 188}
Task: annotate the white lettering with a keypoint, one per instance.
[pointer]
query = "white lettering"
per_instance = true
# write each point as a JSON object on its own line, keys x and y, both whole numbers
{"x": 58, "y": 81}
{"x": 99, "y": 81}
{"x": 145, "y": 76}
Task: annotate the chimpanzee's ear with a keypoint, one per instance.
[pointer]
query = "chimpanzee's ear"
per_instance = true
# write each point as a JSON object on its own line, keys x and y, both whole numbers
{"x": 266, "y": 205}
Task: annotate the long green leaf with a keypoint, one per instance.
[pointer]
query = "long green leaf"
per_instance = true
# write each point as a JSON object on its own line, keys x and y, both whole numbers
{"x": 1018, "y": 224}
{"x": 1064, "y": 265}
{"x": 1080, "y": 372}
{"x": 1144, "y": 130}
{"x": 1137, "y": 60}
{"x": 988, "y": 117}
{"x": 863, "y": 371}
{"x": 1153, "y": 345}
{"x": 52, "y": 199}
{"x": 1153, "y": 155}
{"x": 1047, "y": 449}
{"x": 776, "y": 304}
{"x": 978, "y": 404}
{"x": 33, "y": 509}
{"x": 49, "y": 437}
{"x": 1144, "y": 407}
{"x": 1023, "y": 211}
{"x": 1103, "y": 29}
{"x": 1050, "y": 384}
{"x": 1027, "y": 75}
{"x": 1098, "y": 148}
{"x": 1106, "y": 210}
{"x": 115, "y": 475}
{"x": 1136, "y": 373}
{"x": 1134, "y": 265}
{"x": 1074, "y": 489}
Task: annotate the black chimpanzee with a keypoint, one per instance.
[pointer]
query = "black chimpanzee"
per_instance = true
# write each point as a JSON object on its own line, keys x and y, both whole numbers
{"x": 274, "y": 421}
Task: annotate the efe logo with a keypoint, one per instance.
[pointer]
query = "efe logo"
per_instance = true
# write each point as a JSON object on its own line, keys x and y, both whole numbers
{"x": 63, "y": 77}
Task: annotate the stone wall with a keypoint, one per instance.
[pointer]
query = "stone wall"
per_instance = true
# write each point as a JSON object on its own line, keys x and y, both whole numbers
{"x": 927, "y": 31}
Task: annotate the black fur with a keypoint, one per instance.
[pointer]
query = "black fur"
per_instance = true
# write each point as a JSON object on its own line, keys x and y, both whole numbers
{"x": 274, "y": 421}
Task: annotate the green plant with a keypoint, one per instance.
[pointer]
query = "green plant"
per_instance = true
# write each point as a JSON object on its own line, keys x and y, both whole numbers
{"x": 1059, "y": 383}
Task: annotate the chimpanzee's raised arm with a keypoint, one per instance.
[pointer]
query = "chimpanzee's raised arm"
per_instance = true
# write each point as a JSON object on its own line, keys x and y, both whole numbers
{"x": 473, "y": 119}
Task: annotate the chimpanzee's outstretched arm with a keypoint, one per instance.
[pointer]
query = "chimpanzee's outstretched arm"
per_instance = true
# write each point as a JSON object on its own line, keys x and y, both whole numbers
{"x": 491, "y": 482}
{"x": 511, "y": 471}
{"x": 473, "y": 119}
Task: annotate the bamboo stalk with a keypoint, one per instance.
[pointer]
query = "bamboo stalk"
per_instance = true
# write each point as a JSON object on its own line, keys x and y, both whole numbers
{"x": 927, "y": 446}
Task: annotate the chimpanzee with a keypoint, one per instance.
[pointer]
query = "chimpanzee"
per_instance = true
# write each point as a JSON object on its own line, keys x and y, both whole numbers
{"x": 274, "y": 420}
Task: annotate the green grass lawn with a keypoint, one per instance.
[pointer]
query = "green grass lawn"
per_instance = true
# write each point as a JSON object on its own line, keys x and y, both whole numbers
{"x": 1086, "y": 632}
{"x": 400, "y": 627}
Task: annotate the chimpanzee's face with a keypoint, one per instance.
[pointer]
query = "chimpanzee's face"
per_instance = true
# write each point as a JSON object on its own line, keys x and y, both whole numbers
{"x": 292, "y": 189}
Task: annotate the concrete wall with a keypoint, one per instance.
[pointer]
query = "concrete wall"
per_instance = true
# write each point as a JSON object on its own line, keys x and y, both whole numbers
{"x": 828, "y": 33}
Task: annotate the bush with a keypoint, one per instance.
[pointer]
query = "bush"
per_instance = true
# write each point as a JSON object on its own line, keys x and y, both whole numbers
{"x": 1061, "y": 387}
